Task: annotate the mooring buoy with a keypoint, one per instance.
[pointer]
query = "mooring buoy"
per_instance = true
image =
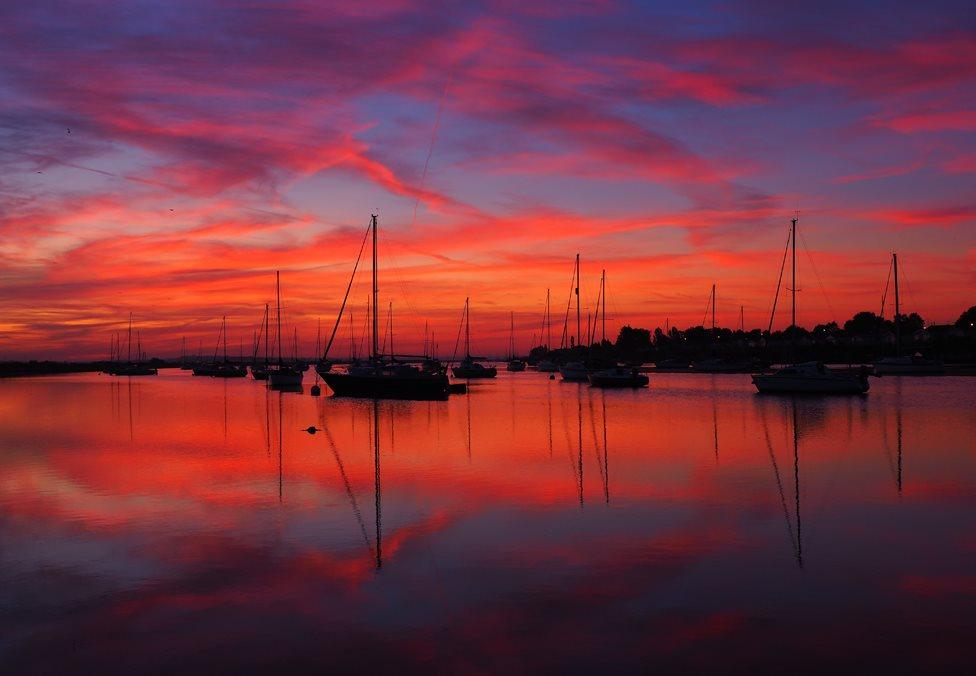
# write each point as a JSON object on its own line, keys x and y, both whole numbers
{"x": 315, "y": 390}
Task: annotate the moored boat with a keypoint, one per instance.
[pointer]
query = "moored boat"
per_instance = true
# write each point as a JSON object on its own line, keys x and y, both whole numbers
{"x": 807, "y": 377}
{"x": 913, "y": 365}
{"x": 377, "y": 379}
{"x": 618, "y": 376}
{"x": 811, "y": 378}
{"x": 574, "y": 371}
{"x": 469, "y": 366}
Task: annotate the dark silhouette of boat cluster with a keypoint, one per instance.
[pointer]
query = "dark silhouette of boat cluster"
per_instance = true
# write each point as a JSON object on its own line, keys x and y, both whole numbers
{"x": 875, "y": 345}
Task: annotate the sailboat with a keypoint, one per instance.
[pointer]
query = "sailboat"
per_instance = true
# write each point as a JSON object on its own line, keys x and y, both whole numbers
{"x": 377, "y": 379}
{"x": 908, "y": 365}
{"x": 809, "y": 377}
{"x": 224, "y": 369}
{"x": 514, "y": 364}
{"x": 282, "y": 376}
{"x": 469, "y": 368}
{"x": 547, "y": 365}
{"x": 132, "y": 368}
{"x": 260, "y": 371}
{"x": 573, "y": 371}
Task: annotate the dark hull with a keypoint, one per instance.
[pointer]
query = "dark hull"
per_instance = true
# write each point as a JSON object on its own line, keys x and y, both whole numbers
{"x": 387, "y": 387}
{"x": 131, "y": 371}
{"x": 611, "y": 382}
{"x": 462, "y": 372}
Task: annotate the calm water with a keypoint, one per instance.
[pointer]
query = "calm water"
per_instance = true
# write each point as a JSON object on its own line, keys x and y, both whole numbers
{"x": 179, "y": 523}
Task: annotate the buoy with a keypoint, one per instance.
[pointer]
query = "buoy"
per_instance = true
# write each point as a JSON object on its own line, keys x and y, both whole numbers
{"x": 311, "y": 429}
{"x": 315, "y": 390}
{"x": 552, "y": 376}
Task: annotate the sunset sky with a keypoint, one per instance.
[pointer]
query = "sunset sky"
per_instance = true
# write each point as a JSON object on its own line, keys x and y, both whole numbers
{"x": 165, "y": 158}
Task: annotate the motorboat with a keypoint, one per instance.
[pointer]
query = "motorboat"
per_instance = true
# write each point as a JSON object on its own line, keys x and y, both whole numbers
{"x": 618, "y": 376}
{"x": 574, "y": 371}
{"x": 914, "y": 365}
{"x": 811, "y": 377}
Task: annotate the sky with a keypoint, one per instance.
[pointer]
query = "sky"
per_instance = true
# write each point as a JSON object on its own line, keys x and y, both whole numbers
{"x": 165, "y": 159}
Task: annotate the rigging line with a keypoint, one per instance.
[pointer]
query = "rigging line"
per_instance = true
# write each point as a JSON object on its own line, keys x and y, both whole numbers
{"x": 433, "y": 140}
{"x": 708, "y": 306}
{"x": 457, "y": 341}
{"x": 779, "y": 282}
{"x": 884, "y": 296}
{"x": 574, "y": 284}
{"x": 779, "y": 482}
{"x": 908, "y": 285}
{"x": 352, "y": 277}
{"x": 345, "y": 482}
{"x": 816, "y": 274}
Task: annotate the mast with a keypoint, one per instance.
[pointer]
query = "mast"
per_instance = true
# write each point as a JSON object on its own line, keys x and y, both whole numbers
{"x": 389, "y": 321}
{"x": 139, "y": 345}
{"x": 603, "y": 312}
{"x": 376, "y": 290}
{"x": 223, "y": 330}
{"x": 548, "y": 323}
{"x": 793, "y": 290}
{"x": 577, "y": 300}
{"x": 894, "y": 259}
{"x": 713, "y": 310}
{"x": 266, "y": 313}
{"x": 128, "y": 342}
{"x": 467, "y": 329}
{"x": 278, "y": 308}
{"x": 511, "y": 335}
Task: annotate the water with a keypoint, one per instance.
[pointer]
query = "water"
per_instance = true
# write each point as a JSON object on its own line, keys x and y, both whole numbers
{"x": 180, "y": 523}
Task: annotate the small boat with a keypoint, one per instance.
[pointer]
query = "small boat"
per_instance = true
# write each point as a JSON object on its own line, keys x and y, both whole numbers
{"x": 469, "y": 367}
{"x": 131, "y": 368}
{"x": 134, "y": 369}
{"x": 282, "y": 376}
{"x": 619, "y": 376}
{"x": 726, "y": 365}
{"x": 574, "y": 371}
{"x": 547, "y": 366}
{"x": 914, "y": 365}
{"x": 676, "y": 365}
{"x": 514, "y": 364}
{"x": 224, "y": 369}
{"x": 259, "y": 372}
{"x": 811, "y": 377}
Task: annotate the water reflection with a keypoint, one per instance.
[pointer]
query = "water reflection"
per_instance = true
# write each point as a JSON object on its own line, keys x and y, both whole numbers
{"x": 156, "y": 512}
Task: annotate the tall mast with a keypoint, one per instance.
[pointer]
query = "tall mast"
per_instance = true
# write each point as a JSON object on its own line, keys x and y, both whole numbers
{"x": 793, "y": 309}
{"x": 266, "y": 313}
{"x": 603, "y": 312}
{"x": 389, "y": 321}
{"x": 376, "y": 290}
{"x": 548, "y": 323}
{"x": 467, "y": 327}
{"x": 511, "y": 334}
{"x": 894, "y": 258}
{"x": 713, "y": 311}
{"x": 577, "y": 301}
{"x": 278, "y": 308}
{"x": 128, "y": 342}
{"x": 223, "y": 329}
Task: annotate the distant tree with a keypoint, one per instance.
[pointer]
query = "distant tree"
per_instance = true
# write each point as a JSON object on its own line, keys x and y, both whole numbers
{"x": 828, "y": 329}
{"x": 912, "y": 323}
{"x": 631, "y": 340}
{"x": 967, "y": 319}
{"x": 865, "y": 323}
